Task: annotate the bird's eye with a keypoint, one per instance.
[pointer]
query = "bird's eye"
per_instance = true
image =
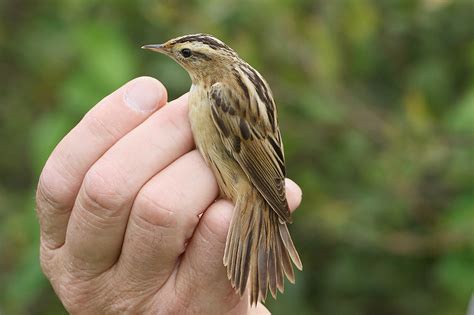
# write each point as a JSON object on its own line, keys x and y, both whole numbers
{"x": 186, "y": 52}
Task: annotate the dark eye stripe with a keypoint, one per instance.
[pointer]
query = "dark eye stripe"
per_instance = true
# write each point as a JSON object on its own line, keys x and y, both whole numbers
{"x": 202, "y": 56}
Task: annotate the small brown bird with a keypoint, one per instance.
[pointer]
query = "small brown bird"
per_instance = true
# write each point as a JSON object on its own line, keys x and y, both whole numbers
{"x": 234, "y": 122}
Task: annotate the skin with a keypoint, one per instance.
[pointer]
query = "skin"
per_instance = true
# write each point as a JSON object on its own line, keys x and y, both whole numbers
{"x": 119, "y": 203}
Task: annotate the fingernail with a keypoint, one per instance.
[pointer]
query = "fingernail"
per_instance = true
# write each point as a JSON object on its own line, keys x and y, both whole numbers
{"x": 143, "y": 95}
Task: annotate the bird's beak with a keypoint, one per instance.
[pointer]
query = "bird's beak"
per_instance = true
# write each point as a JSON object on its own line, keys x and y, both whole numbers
{"x": 161, "y": 48}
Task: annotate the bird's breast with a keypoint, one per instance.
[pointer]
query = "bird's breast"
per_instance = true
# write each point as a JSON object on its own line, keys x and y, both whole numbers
{"x": 207, "y": 139}
{"x": 205, "y": 133}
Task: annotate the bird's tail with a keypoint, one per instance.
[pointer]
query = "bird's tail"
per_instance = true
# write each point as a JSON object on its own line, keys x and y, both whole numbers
{"x": 259, "y": 249}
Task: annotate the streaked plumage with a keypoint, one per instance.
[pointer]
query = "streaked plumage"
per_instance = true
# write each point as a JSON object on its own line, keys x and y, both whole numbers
{"x": 235, "y": 127}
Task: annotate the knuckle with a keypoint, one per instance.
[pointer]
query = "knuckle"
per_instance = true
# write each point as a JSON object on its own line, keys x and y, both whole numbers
{"x": 101, "y": 296}
{"x": 75, "y": 293}
{"x": 99, "y": 128}
{"x": 176, "y": 120}
{"x": 215, "y": 226}
{"x": 103, "y": 190}
{"x": 79, "y": 294}
{"x": 52, "y": 189}
{"x": 75, "y": 296}
{"x": 126, "y": 301}
{"x": 150, "y": 208}
{"x": 173, "y": 120}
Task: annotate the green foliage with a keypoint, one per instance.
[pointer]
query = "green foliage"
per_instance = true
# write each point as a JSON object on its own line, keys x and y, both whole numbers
{"x": 376, "y": 102}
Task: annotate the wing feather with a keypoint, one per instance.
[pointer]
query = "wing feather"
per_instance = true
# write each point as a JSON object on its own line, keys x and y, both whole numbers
{"x": 255, "y": 146}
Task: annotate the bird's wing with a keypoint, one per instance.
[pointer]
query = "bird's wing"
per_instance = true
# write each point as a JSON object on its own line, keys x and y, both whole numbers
{"x": 249, "y": 130}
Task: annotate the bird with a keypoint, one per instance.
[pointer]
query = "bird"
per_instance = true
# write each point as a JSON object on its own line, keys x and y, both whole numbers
{"x": 234, "y": 122}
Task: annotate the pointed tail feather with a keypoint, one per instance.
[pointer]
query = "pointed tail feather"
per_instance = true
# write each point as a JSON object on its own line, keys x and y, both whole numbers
{"x": 259, "y": 248}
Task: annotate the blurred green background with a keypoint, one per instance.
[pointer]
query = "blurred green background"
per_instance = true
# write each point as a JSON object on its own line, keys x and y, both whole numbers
{"x": 376, "y": 102}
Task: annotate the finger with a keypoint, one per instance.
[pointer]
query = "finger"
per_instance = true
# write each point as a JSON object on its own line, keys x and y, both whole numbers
{"x": 202, "y": 271}
{"x": 260, "y": 309}
{"x": 101, "y": 127}
{"x": 202, "y": 276}
{"x": 100, "y": 215}
{"x": 163, "y": 217}
{"x": 293, "y": 194}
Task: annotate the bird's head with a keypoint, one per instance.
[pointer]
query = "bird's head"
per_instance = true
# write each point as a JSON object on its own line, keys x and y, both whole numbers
{"x": 202, "y": 55}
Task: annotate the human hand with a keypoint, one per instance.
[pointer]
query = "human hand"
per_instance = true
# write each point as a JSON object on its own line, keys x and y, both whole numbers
{"x": 119, "y": 203}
